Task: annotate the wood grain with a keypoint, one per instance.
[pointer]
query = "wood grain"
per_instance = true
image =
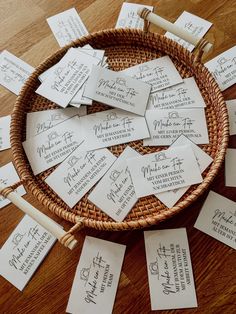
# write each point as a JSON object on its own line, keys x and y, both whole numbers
{"x": 25, "y": 33}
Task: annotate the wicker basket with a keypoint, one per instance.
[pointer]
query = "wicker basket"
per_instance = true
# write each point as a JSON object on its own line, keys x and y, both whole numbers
{"x": 124, "y": 48}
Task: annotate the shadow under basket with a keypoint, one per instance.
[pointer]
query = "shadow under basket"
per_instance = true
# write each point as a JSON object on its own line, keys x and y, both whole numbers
{"x": 124, "y": 48}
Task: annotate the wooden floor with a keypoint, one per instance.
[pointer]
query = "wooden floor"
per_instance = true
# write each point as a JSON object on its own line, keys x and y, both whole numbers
{"x": 25, "y": 33}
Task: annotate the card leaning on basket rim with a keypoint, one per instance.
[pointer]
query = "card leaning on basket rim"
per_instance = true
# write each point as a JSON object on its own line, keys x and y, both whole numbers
{"x": 124, "y": 48}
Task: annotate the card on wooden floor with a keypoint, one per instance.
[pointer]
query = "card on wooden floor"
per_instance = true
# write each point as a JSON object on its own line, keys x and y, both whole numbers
{"x": 78, "y": 173}
{"x": 115, "y": 194}
{"x": 231, "y": 106}
{"x": 51, "y": 147}
{"x": 112, "y": 127}
{"x": 166, "y": 125}
{"x": 128, "y": 17}
{"x": 159, "y": 73}
{"x": 230, "y": 169}
{"x": 5, "y": 132}
{"x": 169, "y": 268}
{"x": 67, "y": 26}
{"x": 24, "y": 251}
{"x": 13, "y": 72}
{"x": 169, "y": 198}
{"x": 9, "y": 176}
{"x": 117, "y": 90}
{"x": 183, "y": 95}
{"x": 193, "y": 24}
{"x": 163, "y": 171}
{"x": 97, "y": 277}
{"x": 218, "y": 219}
{"x": 223, "y": 68}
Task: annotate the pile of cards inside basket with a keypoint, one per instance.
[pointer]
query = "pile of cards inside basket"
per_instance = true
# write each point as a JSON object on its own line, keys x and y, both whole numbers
{"x": 150, "y": 102}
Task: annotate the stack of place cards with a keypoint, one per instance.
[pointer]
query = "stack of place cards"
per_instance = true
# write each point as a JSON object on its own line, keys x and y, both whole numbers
{"x": 230, "y": 169}
{"x": 231, "y": 106}
{"x": 5, "y": 132}
{"x": 97, "y": 277}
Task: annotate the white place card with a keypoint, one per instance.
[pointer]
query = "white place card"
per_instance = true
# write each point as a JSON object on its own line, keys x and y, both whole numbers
{"x": 51, "y": 147}
{"x": 40, "y": 121}
{"x": 165, "y": 125}
{"x": 115, "y": 194}
{"x": 230, "y": 169}
{"x": 218, "y": 219}
{"x": 9, "y": 176}
{"x": 183, "y": 95}
{"x": 231, "y": 106}
{"x": 163, "y": 171}
{"x": 79, "y": 173}
{"x": 223, "y": 68}
{"x": 117, "y": 90}
{"x": 5, "y": 132}
{"x": 192, "y": 24}
{"x": 159, "y": 73}
{"x": 67, "y": 26}
{"x": 13, "y": 72}
{"x": 68, "y": 77}
{"x": 169, "y": 267}
{"x": 97, "y": 277}
{"x": 169, "y": 198}
{"x": 112, "y": 127}
{"x": 24, "y": 251}
{"x": 128, "y": 17}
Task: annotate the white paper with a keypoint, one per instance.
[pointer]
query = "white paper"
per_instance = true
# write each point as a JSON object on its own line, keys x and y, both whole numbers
{"x": 67, "y": 26}
{"x": 159, "y": 73}
{"x": 13, "y": 72}
{"x": 163, "y": 171}
{"x": 51, "y": 147}
{"x": 169, "y": 198}
{"x": 117, "y": 90}
{"x": 165, "y": 125}
{"x": 183, "y": 95}
{"x": 192, "y": 24}
{"x": 223, "y": 68}
{"x": 5, "y": 132}
{"x": 231, "y": 106}
{"x": 78, "y": 173}
{"x": 9, "y": 176}
{"x": 218, "y": 219}
{"x": 24, "y": 251}
{"x": 230, "y": 169}
{"x": 128, "y": 17}
{"x": 40, "y": 121}
{"x": 169, "y": 267}
{"x": 112, "y": 127}
{"x": 97, "y": 277}
{"x": 115, "y": 194}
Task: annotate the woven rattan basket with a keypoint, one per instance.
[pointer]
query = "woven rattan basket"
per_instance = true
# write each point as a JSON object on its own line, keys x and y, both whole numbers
{"x": 124, "y": 48}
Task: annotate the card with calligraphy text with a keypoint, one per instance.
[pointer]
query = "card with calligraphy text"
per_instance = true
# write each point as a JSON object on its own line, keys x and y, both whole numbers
{"x": 97, "y": 277}
{"x": 217, "y": 218}
{"x": 128, "y": 17}
{"x": 230, "y": 169}
{"x": 5, "y": 132}
{"x": 67, "y": 26}
{"x": 78, "y": 173}
{"x": 163, "y": 171}
{"x": 231, "y": 106}
{"x": 223, "y": 68}
{"x": 24, "y": 251}
{"x": 169, "y": 198}
{"x": 183, "y": 95}
{"x": 40, "y": 121}
{"x": 169, "y": 268}
{"x": 13, "y": 72}
{"x": 112, "y": 127}
{"x": 68, "y": 77}
{"x": 9, "y": 176}
{"x": 159, "y": 73}
{"x": 166, "y": 125}
{"x": 51, "y": 147}
{"x": 115, "y": 194}
{"x": 117, "y": 90}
